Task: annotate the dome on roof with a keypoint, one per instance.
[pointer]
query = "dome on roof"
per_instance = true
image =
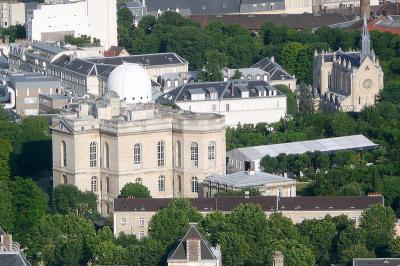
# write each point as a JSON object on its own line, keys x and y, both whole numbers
{"x": 131, "y": 82}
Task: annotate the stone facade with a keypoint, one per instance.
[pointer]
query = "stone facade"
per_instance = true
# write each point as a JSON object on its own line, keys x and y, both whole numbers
{"x": 108, "y": 143}
{"x": 348, "y": 81}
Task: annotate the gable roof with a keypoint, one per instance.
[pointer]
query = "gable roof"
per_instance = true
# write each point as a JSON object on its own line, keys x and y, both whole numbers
{"x": 180, "y": 252}
{"x": 114, "y": 51}
{"x": 275, "y": 70}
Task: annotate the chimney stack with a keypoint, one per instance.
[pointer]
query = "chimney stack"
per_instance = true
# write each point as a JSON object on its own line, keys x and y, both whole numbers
{"x": 6, "y": 242}
{"x": 277, "y": 259}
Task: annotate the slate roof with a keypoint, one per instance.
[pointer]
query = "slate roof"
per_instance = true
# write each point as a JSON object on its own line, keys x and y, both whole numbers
{"x": 33, "y": 80}
{"x": 47, "y": 47}
{"x": 353, "y": 57}
{"x": 180, "y": 252}
{"x": 196, "y": 7}
{"x": 103, "y": 66}
{"x": 376, "y": 262}
{"x": 244, "y": 179}
{"x": 225, "y": 89}
{"x": 267, "y": 203}
{"x": 354, "y": 142}
{"x": 13, "y": 260}
{"x": 275, "y": 70}
{"x": 256, "y": 21}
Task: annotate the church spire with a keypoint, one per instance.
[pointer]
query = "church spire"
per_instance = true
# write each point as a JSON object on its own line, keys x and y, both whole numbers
{"x": 365, "y": 41}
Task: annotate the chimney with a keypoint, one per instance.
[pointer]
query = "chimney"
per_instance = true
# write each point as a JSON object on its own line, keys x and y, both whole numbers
{"x": 193, "y": 247}
{"x": 277, "y": 259}
{"x": 6, "y": 242}
{"x": 273, "y": 59}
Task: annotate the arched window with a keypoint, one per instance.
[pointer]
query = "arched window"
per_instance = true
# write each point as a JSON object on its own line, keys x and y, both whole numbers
{"x": 93, "y": 184}
{"x": 107, "y": 155}
{"x": 161, "y": 183}
{"x": 195, "y": 184}
{"x": 359, "y": 99}
{"x": 137, "y": 155}
{"x": 194, "y": 154}
{"x": 179, "y": 154}
{"x": 161, "y": 153}
{"x": 93, "y": 154}
{"x": 211, "y": 150}
{"x": 107, "y": 184}
{"x": 138, "y": 180}
{"x": 65, "y": 180}
{"x": 63, "y": 154}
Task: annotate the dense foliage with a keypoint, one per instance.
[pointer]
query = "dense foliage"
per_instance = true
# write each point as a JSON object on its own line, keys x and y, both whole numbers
{"x": 135, "y": 190}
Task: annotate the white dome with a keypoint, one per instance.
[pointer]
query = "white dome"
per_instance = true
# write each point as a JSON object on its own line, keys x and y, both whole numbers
{"x": 131, "y": 82}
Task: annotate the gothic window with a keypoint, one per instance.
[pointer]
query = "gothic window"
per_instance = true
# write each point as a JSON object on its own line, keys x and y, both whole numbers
{"x": 179, "y": 154}
{"x": 107, "y": 185}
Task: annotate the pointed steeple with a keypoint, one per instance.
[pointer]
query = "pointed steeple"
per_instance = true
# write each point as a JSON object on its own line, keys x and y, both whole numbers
{"x": 365, "y": 41}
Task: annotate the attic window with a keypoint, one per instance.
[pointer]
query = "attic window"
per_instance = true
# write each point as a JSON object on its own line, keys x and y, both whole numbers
{"x": 124, "y": 207}
{"x": 61, "y": 126}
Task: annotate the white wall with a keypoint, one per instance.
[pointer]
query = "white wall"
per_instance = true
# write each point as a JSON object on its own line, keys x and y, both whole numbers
{"x": 242, "y": 110}
{"x": 95, "y": 18}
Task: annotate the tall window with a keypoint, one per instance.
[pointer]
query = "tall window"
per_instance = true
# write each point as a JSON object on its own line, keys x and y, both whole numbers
{"x": 161, "y": 153}
{"x": 195, "y": 184}
{"x": 194, "y": 154}
{"x": 137, "y": 155}
{"x": 63, "y": 154}
{"x": 93, "y": 184}
{"x": 106, "y": 155}
{"x": 211, "y": 150}
{"x": 65, "y": 180}
{"x": 179, "y": 184}
{"x": 138, "y": 180}
{"x": 161, "y": 183}
{"x": 93, "y": 154}
{"x": 179, "y": 154}
{"x": 107, "y": 184}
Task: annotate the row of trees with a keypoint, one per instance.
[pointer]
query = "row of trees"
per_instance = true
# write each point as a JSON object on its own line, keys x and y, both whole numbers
{"x": 246, "y": 236}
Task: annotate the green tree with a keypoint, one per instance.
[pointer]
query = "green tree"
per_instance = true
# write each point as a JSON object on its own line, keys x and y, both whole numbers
{"x": 290, "y": 97}
{"x": 68, "y": 198}
{"x": 5, "y": 151}
{"x": 289, "y": 54}
{"x": 135, "y": 190}
{"x": 282, "y": 227}
{"x": 237, "y": 74}
{"x": 295, "y": 253}
{"x": 306, "y": 99}
{"x": 124, "y": 18}
{"x": 235, "y": 249}
{"x": 147, "y": 23}
{"x": 109, "y": 253}
{"x": 321, "y": 234}
{"x": 30, "y": 205}
{"x": 391, "y": 190}
{"x": 169, "y": 224}
{"x": 356, "y": 251}
{"x": 378, "y": 222}
{"x": 7, "y": 215}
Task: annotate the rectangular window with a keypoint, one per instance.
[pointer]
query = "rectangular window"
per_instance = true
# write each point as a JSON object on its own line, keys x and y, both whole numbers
{"x": 214, "y": 107}
{"x": 141, "y": 222}
{"x": 227, "y": 107}
{"x": 141, "y": 234}
{"x": 123, "y": 221}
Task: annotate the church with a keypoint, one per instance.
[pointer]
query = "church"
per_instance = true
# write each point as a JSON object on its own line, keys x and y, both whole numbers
{"x": 99, "y": 145}
{"x": 348, "y": 81}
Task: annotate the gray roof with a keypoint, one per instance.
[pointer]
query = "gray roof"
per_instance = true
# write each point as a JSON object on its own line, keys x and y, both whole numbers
{"x": 13, "y": 259}
{"x": 104, "y": 65}
{"x": 47, "y": 47}
{"x": 245, "y": 179}
{"x": 275, "y": 70}
{"x": 196, "y": 7}
{"x": 253, "y": 71}
{"x": 225, "y": 89}
{"x": 180, "y": 252}
{"x": 267, "y": 203}
{"x": 376, "y": 262}
{"x": 33, "y": 80}
{"x": 352, "y": 56}
{"x": 354, "y": 142}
